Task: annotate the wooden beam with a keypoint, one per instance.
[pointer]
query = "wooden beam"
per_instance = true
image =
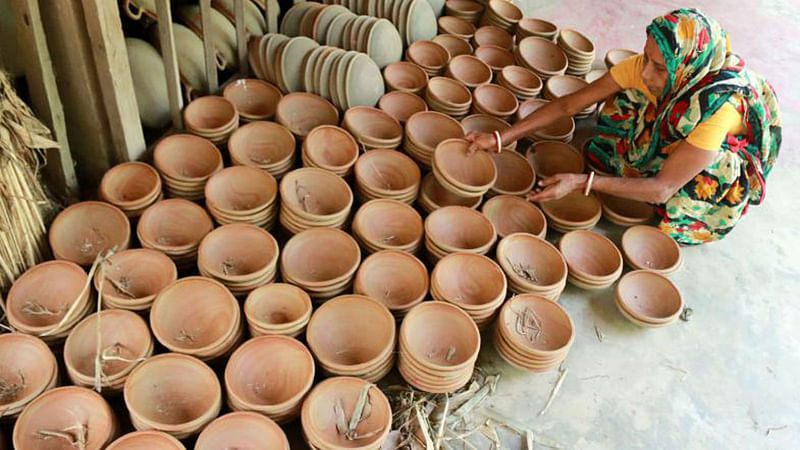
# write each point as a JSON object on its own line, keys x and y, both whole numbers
{"x": 241, "y": 35}
{"x": 166, "y": 39}
{"x": 114, "y": 74}
{"x": 60, "y": 169}
{"x": 210, "y": 47}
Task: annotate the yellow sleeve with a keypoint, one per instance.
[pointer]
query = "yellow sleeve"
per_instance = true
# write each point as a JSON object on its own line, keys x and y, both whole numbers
{"x": 628, "y": 72}
{"x": 710, "y": 133}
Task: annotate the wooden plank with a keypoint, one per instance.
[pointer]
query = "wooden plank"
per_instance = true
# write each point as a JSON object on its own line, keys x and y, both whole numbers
{"x": 210, "y": 48}
{"x": 114, "y": 74}
{"x": 60, "y": 169}
{"x": 241, "y": 35}
{"x": 169, "y": 56}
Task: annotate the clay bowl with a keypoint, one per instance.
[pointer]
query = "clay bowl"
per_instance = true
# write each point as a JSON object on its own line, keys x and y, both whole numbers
{"x": 560, "y": 130}
{"x": 439, "y": 337}
{"x": 337, "y": 330}
{"x": 563, "y": 85}
{"x": 240, "y": 191}
{"x": 175, "y": 227}
{"x": 574, "y": 211}
{"x": 318, "y": 258}
{"x": 466, "y": 9}
{"x": 434, "y": 196}
{"x": 648, "y": 298}
{"x": 524, "y": 83}
{"x": 550, "y": 158}
{"x": 301, "y": 112}
{"x": 542, "y": 56}
{"x": 425, "y": 130}
{"x": 211, "y": 117}
{"x": 429, "y": 55}
{"x": 265, "y": 145}
{"x": 401, "y": 105}
{"x": 84, "y": 230}
{"x": 616, "y": 56}
{"x": 277, "y": 308}
{"x": 460, "y": 229}
{"x": 253, "y": 99}
{"x": 469, "y": 70}
{"x": 23, "y": 355}
{"x": 495, "y": 100}
{"x": 464, "y": 174}
{"x": 575, "y": 42}
{"x": 133, "y": 278}
{"x": 645, "y": 247}
{"x": 60, "y": 410}
{"x": 472, "y": 282}
{"x": 492, "y": 35}
{"x": 397, "y": 279}
{"x": 504, "y": 11}
{"x": 387, "y": 174}
{"x": 131, "y": 187}
{"x": 238, "y": 254}
{"x": 123, "y": 334}
{"x": 373, "y": 128}
{"x": 319, "y": 424}
{"x": 512, "y": 214}
{"x": 536, "y": 27}
{"x": 156, "y": 386}
{"x": 154, "y": 440}
{"x": 448, "y": 96}
{"x": 515, "y": 175}
{"x": 537, "y": 328}
{"x": 495, "y": 56}
{"x": 626, "y": 212}
{"x": 591, "y": 257}
{"x": 196, "y": 316}
{"x": 269, "y": 375}
{"x": 455, "y": 45}
{"x": 406, "y": 77}
{"x": 384, "y": 224}
{"x": 186, "y": 161}
{"x": 242, "y": 430}
{"x": 312, "y": 197}
{"x": 456, "y": 26}
{"x": 54, "y": 286}
{"x": 532, "y": 265}
{"x": 484, "y": 123}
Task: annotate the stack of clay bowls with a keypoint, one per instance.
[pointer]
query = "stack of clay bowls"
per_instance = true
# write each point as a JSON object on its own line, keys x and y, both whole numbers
{"x": 163, "y": 381}
{"x": 513, "y": 214}
{"x": 532, "y": 265}
{"x": 536, "y": 27}
{"x": 550, "y": 158}
{"x": 465, "y": 175}
{"x": 241, "y": 256}
{"x": 336, "y": 336}
{"x": 515, "y": 175}
{"x": 269, "y": 375}
{"x": 253, "y": 99}
{"x": 616, "y": 56}
{"x": 533, "y": 333}
{"x": 648, "y": 299}
{"x": 85, "y": 230}
{"x": 542, "y": 56}
{"x": 574, "y": 211}
{"x": 594, "y": 75}
{"x": 402, "y": 105}
{"x": 197, "y": 316}
{"x": 563, "y": 85}
{"x": 524, "y": 83}
{"x": 469, "y": 70}
{"x": 301, "y": 112}
{"x": 594, "y": 261}
{"x": 397, "y": 279}
{"x": 29, "y": 369}
{"x": 425, "y": 130}
{"x": 268, "y": 146}
{"x": 468, "y": 10}
{"x": 495, "y": 56}
{"x": 131, "y": 187}
{"x": 312, "y": 197}
{"x": 502, "y": 14}
{"x": 433, "y": 196}
{"x": 448, "y": 96}
{"x": 330, "y": 148}
{"x": 416, "y": 20}
{"x": 125, "y": 341}
{"x": 211, "y": 117}
{"x": 492, "y": 35}
{"x": 438, "y": 346}
{"x": 457, "y": 27}
{"x": 242, "y": 194}
{"x": 373, "y": 128}
{"x": 132, "y": 278}
{"x": 645, "y": 247}
{"x": 428, "y": 55}
{"x": 484, "y": 123}
{"x": 405, "y": 76}
{"x": 579, "y": 49}
{"x": 562, "y": 129}
{"x": 277, "y": 308}
{"x": 146, "y": 439}
{"x": 240, "y": 429}
{"x": 174, "y": 227}
{"x": 185, "y": 163}
{"x": 626, "y": 212}
{"x": 387, "y": 174}
{"x": 321, "y": 261}
{"x": 494, "y": 100}
{"x": 472, "y": 282}
{"x": 48, "y": 300}
{"x": 320, "y": 427}
{"x": 455, "y": 229}
{"x": 384, "y": 224}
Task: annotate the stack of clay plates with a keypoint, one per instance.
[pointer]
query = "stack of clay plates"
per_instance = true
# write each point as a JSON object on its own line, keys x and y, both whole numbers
{"x": 502, "y": 14}
{"x": 574, "y": 211}
{"x": 648, "y": 299}
{"x": 579, "y": 49}
{"x": 563, "y": 85}
{"x": 387, "y": 174}
{"x": 414, "y": 19}
{"x": 536, "y": 27}
{"x": 524, "y": 83}
{"x": 313, "y": 197}
{"x": 373, "y": 128}
{"x": 532, "y": 265}
{"x": 433, "y": 196}
{"x": 533, "y": 333}
{"x": 594, "y": 261}
{"x": 468, "y": 10}
{"x": 464, "y": 174}
{"x": 448, "y": 96}
{"x": 425, "y": 130}
{"x": 472, "y": 282}
{"x": 242, "y": 194}
{"x": 544, "y": 57}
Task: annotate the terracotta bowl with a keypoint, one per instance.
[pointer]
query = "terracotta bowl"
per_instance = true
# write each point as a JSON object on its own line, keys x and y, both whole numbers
{"x": 456, "y": 26}
{"x": 492, "y": 35}
{"x": 240, "y": 191}
{"x": 649, "y": 248}
{"x": 560, "y": 130}
{"x": 469, "y": 70}
{"x": 402, "y": 105}
{"x": 242, "y": 430}
{"x": 86, "y": 229}
{"x": 649, "y": 297}
{"x": 433, "y": 196}
{"x": 451, "y": 96}
{"x": 398, "y": 279}
{"x": 373, "y": 127}
{"x": 237, "y": 252}
{"x": 472, "y": 173}
{"x": 266, "y": 145}
{"x": 495, "y": 56}
{"x": 573, "y": 210}
{"x": 484, "y": 123}
{"x": 440, "y": 336}
{"x": 521, "y": 79}
{"x": 455, "y": 45}
{"x": 536, "y": 27}
{"x": 60, "y": 410}
{"x": 626, "y": 212}
{"x": 405, "y": 76}
{"x": 154, "y": 440}
{"x": 512, "y": 214}
{"x": 495, "y": 100}
{"x": 463, "y": 8}
{"x": 131, "y": 186}
{"x": 505, "y": 10}
{"x": 616, "y": 56}
{"x": 531, "y": 262}
{"x": 388, "y": 224}
{"x": 457, "y": 228}
{"x": 29, "y": 368}
{"x": 278, "y": 308}
{"x": 472, "y": 282}
{"x": 590, "y": 256}
{"x": 320, "y": 257}
{"x": 550, "y": 158}
{"x": 563, "y": 85}
{"x": 426, "y": 130}
{"x": 575, "y": 41}
{"x": 253, "y": 99}
{"x": 515, "y": 175}
{"x": 387, "y": 173}
{"x": 315, "y": 194}
{"x": 301, "y": 112}
{"x": 210, "y": 115}
{"x": 174, "y": 225}
{"x": 429, "y": 55}
{"x": 543, "y": 56}
{"x": 134, "y": 277}
{"x": 546, "y": 330}
{"x": 163, "y": 381}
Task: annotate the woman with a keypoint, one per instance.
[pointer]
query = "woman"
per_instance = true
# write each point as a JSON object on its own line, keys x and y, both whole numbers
{"x": 686, "y": 127}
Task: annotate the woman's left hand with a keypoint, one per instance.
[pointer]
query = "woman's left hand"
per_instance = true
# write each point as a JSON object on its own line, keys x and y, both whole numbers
{"x": 557, "y": 186}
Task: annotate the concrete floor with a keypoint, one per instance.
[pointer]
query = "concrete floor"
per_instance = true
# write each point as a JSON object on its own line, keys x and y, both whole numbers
{"x": 727, "y": 378}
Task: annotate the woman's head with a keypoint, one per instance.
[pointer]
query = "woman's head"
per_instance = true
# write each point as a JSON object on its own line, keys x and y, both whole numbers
{"x": 654, "y": 73}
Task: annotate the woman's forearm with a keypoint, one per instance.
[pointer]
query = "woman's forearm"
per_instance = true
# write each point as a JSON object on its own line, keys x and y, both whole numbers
{"x": 650, "y": 190}
{"x": 537, "y": 120}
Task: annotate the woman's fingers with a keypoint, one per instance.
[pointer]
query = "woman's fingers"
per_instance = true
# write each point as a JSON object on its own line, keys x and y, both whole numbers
{"x": 549, "y": 180}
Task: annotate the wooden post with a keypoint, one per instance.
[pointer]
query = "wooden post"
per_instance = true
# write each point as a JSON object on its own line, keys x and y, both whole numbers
{"x": 166, "y": 40}
{"x": 241, "y": 35}
{"x": 210, "y": 48}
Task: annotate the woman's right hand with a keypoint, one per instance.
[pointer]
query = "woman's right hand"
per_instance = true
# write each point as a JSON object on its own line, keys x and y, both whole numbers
{"x": 481, "y": 142}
